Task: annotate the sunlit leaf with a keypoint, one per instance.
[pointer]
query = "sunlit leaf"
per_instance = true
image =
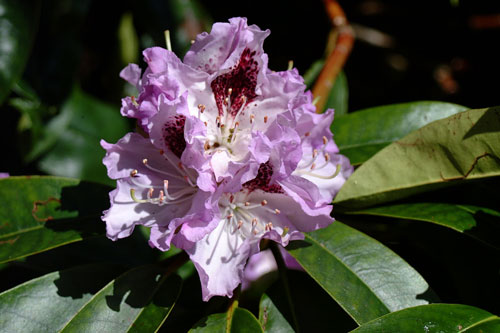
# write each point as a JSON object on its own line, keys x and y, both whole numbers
{"x": 45, "y": 304}
{"x": 367, "y": 279}
{"x": 445, "y": 152}
{"x": 271, "y": 318}
{"x": 40, "y": 213}
{"x": 435, "y": 318}
{"x": 137, "y": 301}
{"x": 359, "y": 135}
{"x": 18, "y": 24}
{"x": 239, "y": 321}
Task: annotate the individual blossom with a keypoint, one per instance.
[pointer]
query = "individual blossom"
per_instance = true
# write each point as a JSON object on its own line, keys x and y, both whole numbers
{"x": 154, "y": 186}
{"x": 249, "y": 157}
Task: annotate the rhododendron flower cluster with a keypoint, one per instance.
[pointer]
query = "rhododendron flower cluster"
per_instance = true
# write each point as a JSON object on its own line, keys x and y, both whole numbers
{"x": 229, "y": 153}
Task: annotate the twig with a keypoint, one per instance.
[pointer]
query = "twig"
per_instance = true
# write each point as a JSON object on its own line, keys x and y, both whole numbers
{"x": 338, "y": 57}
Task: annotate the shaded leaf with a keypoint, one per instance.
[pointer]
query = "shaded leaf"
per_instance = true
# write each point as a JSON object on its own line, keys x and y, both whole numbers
{"x": 361, "y": 134}
{"x": 240, "y": 321}
{"x": 435, "y": 318}
{"x": 46, "y": 303}
{"x": 478, "y": 222}
{"x": 138, "y": 300}
{"x": 72, "y": 138}
{"x": 339, "y": 96}
{"x": 271, "y": 318}
{"x": 463, "y": 146}
{"x": 39, "y": 213}
{"x": 312, "y": 72}
{"x": 367, "y": 279}
{"x": 18, "y": 23}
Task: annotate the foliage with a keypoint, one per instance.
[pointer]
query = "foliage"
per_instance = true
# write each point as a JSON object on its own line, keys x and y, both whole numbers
{"x": 417, "y": 224}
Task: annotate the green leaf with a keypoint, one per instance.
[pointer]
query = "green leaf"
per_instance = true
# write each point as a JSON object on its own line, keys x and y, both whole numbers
{"x": 435, "y": 318}
{"x": 478, "y": 222}
{"x": 40, "y": 213}
{"x": 339, "y": 96}
{"x": 72, "y": 138}
{"x": 271, "y": 318}
{"x": 239, "y": 321}
{"x": 18, "y": 22}
{"x": 138, "y": 301}
{"x": 367, "y": 279}
{"x": 46, "y": 303}
{"x": 361, "y": 134}
{"x": 312, "y": 73}
{"x": 461, "y": 147}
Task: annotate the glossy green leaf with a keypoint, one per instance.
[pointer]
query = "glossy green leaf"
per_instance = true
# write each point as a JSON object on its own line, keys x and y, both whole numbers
{"x": 361, "y": 134}
{"x": 39, "y": 213}
{"x": 478, "y": 222}
{"x": 239, "y": 321}
{"x": 46, "y": 303}
{"x": 138, "y": 301}
{"x": 435, "y": 318}
{"x": 270, "y": 317}
{"x": 445, "y": 152}
{"x": 73, "y": 137}
{"x": 367, "y": 279}
{"x": 339, "y": 96}
{"x": 18, "y": 23}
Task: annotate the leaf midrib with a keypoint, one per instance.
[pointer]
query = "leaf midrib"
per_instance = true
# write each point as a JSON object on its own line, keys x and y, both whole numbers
{"x": 349, "y": 269}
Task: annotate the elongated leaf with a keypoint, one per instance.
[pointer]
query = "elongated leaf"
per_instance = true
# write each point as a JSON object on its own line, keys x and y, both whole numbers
{"x": 39, "y": 213}
{"x": 367, "y": 279}
{"x": 18, "y": 22}
{"x": 271, "y": 318}
{"x": 361, "y": 134}
{"x": 72, "y": 140}
{"x": 45, "y": 304}
{"x": 339, "y": 96}
{"x": 478, "y": 222}
{"x": 239, "y": 321}
{"x": 137, "y": 301}
{"x": 461, "y": 147}
{"x": 434, "y": 318}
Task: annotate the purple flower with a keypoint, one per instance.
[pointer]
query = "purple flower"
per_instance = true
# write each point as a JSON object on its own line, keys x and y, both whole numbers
{"x": 235, "y": 153}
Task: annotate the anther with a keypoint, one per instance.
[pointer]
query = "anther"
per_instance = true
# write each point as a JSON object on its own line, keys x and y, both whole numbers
{"x": 205, "y": 123}
{"x": 265, "y": 119}
{"x": 226, "y": 100}
{"x": 150, "y": 193}
{"x": 315, "y": 153}
{"x": 162, "y": 152}
{"x": 252, "y": 117}
{"x": 230, "y": 91}
{"x": 230, "y": 216}
{"x": 306, "y": 134}
{"x": 240, "y": 223}
{"x": 264, "y": 202}
{"x": 269, "y": 226}
{"x": 247, "y": 203}
{"x": 327, "y": 157}
{"x": 133, "y": 173}
{"x": 277, "y": 211}
{"x": 201, "y": 107}
{"x": 325, "y": 140}
{"x": 313, "y": 166}
{"x": 145, "y": 161}
{"x": 231, "y": 198}
{"x": 161, "y": 196}
{"x": 207, "y": 145}
{"x": 181, "y": 166}
{"x": 254, "y": 222}
{"x": 132, "y": 98}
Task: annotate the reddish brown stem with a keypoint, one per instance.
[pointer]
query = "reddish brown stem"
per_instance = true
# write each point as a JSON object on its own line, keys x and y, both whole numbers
{"x": 338, "y": 57}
